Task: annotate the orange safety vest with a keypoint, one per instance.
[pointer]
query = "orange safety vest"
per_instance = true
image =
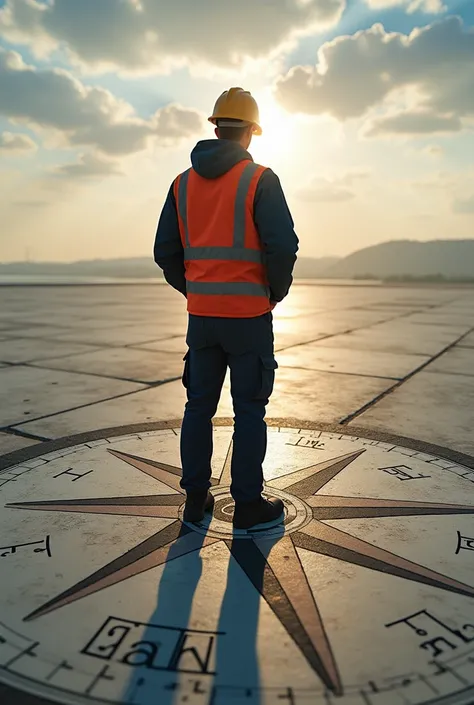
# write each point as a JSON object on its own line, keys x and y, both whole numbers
{"x": 223, "y": 255}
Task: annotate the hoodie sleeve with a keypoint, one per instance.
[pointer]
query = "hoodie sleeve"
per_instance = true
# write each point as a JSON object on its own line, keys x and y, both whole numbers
{"x": 168, "y": 250}
{"x": 276, "y": 230}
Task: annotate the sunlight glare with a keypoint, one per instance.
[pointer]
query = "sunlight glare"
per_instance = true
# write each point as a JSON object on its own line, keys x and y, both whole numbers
{"x": 279, "y": 132}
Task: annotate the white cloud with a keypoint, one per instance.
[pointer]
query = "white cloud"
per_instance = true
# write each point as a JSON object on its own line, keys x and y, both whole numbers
{"x": 464, "y": 205}
{"x": 451, "y": 189}
{"x": 357, "y": 73}
{"x": 144, "y": 35}
{"x": 433, "y": 150}
{"x": 54, "y": 99}
{"x": 30, "y": 204}
{"x": 416, "y": 122}
{"x": 433, "y": 7}
{"x": 16, "y": 143}
{"x": 88, "y": 166}
{"x": 334, "y": 190}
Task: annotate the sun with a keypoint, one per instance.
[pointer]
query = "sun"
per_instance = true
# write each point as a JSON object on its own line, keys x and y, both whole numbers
{"x": 279, "y": 132}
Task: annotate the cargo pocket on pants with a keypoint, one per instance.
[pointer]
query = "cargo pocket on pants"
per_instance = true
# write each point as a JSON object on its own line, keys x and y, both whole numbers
{"x": 268, "y": 367}
{"x": 185, "y": 377}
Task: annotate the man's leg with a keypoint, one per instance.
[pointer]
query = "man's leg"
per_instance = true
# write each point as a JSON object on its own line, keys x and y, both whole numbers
{"x": 252, "y": 378}
{"x": 250, "y": 394}
{"x": 203, "y": 377}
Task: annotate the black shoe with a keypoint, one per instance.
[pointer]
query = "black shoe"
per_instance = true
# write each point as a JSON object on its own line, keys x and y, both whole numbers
{"x": 262, "y": 511}
{"x": 197, "y": 504}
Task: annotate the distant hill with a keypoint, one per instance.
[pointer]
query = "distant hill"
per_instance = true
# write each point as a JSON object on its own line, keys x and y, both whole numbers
{"x": 312, "y": 268}
{"x": 140, "y": 267}
{"x": 127, "y": 268}
{"x": 402, "y": 260}
{"x": 408, "y": 259}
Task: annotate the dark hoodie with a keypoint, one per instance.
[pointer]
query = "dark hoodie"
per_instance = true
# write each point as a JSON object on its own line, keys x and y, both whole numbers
{"x": 211, "y": 159}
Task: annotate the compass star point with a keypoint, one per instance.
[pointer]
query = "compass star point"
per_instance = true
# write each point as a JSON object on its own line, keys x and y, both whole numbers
{"x": 170, "y": 475}
{"x": 306, "y": 482}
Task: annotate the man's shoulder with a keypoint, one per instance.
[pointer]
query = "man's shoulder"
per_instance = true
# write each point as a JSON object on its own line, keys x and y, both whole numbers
{"x": 268, "y": 178}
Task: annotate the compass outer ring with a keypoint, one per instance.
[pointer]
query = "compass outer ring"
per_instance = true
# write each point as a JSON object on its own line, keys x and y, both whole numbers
{"x": 35, "y": 693}
{"x": 49, "y": 446}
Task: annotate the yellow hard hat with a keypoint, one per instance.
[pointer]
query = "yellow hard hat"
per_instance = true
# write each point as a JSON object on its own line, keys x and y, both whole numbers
{"x": 237, "y": 104}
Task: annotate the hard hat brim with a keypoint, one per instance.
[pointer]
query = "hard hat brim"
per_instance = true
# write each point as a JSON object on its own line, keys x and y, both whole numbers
{"x": 257, "y": 130}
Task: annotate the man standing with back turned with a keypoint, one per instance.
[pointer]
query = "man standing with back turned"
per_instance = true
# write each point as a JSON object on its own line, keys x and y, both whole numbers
{"x": 226, "y": 241}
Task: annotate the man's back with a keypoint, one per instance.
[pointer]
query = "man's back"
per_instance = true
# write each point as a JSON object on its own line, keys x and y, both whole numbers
{"x": 226, "y": 241}
{"x": 211, "y": 160}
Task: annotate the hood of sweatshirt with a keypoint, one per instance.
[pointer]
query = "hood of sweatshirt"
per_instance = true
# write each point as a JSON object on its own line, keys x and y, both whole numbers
{"x": 213, "y": 158}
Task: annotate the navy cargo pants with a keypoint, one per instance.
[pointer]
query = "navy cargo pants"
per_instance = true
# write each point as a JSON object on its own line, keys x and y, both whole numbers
{"x": 245, "y": 346}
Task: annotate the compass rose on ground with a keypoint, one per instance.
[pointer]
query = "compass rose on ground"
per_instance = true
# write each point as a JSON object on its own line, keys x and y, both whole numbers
{"x": 270, "y": 556}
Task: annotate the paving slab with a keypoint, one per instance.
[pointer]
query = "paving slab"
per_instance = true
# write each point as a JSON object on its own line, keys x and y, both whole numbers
{"x": 343, "y": 319}
{"x": 434, "y": 407}
{"x": 124, "y": 363}
{"x": 327, "y": 322}
{"x": 36, "y": 331}
{"x": 324, "y": 396}
{"x": 341, "y": 600}
{"x": 457, "y": 360}
{"x": 401, "y": 307}
{"x": 29, "y": 350}
{"x": 437, "y": 318}
{"x": 359, "y": 362}
{"x": 119, "y": 336}
{"x": 157, "y": 404}
{"x": 33, "y": 392}
{"x": 305, "y": 329}
{"x": 397, "y": 337}
{"x": 9, "y": 442}
{"x": 288, "y": 338}
{"x": 467, "y": 341}
{"x": 6, "y": 329}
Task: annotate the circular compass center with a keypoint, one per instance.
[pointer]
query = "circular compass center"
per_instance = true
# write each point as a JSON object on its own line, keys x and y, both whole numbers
{"x": 219, "y": 525}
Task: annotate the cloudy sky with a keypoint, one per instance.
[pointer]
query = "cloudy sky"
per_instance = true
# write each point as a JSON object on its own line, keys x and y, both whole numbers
{"x": 367, "y": 109}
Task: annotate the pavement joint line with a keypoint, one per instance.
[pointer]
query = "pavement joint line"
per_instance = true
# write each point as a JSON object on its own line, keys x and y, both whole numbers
{"x": 81, "y": 342}
{"x": 350, "y": 417}
{"x": 154, "y": 383}
{"x": 81, "y": 372}
{"x": 337, "y": 372}
{"x": 344, "y": 332}
{"x": 309, "y": 342}
{"x": 443, "y": 325}
{"x": 84, "y": 406}
{"x": 450, "y": 372}
{"x": 23, "y": 434}
{"x": 154, "y": 340}
{"x": 54, "y": 357}
{"x": 31, "y": 324}
{"x": 354, "y": 330}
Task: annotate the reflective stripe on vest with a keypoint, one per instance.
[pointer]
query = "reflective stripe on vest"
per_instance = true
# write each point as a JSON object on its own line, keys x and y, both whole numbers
{"x": 227, "y": 288}
{"x": 241, "y": 254}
